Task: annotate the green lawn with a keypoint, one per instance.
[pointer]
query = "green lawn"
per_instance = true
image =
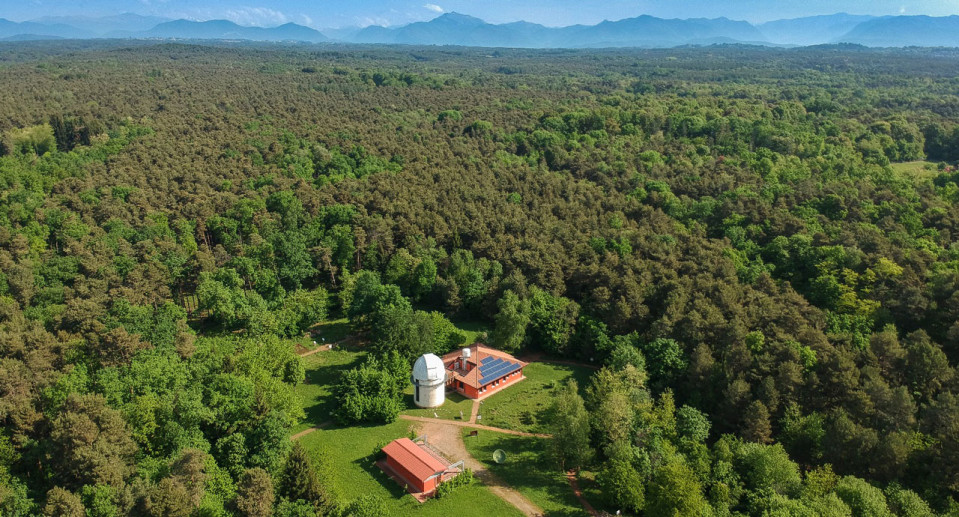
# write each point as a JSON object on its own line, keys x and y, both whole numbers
{"x": 528, "y": 469}
{"x": 348, "y": 458}
{"x": 332, "y": 331}
{"x": 524, "y": 406}
{"x": 917, "y": 169}
{"x": 323, "y": 370}
{"x": 473, "y": 330}
{"x": 450, "y": 410}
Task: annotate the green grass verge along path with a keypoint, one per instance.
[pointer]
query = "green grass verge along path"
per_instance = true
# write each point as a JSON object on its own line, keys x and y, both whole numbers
{"x": 528, "y": 469}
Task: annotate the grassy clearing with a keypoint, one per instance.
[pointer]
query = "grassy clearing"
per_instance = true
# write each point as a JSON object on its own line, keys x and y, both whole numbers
{"x": 473, "y": 330}
{"x": 918, "y": 169}
{"x": 450, "y": 410}
{"x": 528, "y": 469}
{"x": 524, "y": 406}
{"x": 332, "y": 331}
{"x": 323, "y": 370}
{"x": 348, "y": 456}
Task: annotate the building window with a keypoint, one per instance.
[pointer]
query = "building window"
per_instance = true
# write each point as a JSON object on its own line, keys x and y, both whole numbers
{"x": 417, "y": 393}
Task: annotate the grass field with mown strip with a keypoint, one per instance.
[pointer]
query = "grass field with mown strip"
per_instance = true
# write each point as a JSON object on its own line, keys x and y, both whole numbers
{"x": 524, "y": 406}
{"x": 528, "y": 469}
{"x": 349, "y": 453}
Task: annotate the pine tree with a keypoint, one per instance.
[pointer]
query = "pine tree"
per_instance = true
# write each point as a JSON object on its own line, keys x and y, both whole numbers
{"x": 756, "y": 426}
{"x": 254, "y": 496}
{"x": 299, "y": 479}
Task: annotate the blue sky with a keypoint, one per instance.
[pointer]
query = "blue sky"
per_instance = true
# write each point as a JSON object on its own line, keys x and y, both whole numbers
{"x": 340, "y": 13}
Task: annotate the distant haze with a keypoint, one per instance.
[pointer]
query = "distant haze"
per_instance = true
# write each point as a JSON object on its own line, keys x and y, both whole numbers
{"x": 452, "y": 28}
{"x": 360, "y": 13}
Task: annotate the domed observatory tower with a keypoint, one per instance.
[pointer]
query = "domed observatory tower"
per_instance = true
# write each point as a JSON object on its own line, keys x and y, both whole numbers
{"x": 429, "y": 381}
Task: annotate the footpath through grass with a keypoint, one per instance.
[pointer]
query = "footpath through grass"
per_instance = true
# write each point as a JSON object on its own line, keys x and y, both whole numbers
{"x": 528, "y": 469}
{"x": 524, "y": 406}
{"x": 347, "y": 456}
{"x": 591, "y": 490}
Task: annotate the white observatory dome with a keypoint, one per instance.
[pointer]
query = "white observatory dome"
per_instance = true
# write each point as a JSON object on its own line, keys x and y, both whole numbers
{"x": 429, "y": 381}
{"x": 428, "y": 370}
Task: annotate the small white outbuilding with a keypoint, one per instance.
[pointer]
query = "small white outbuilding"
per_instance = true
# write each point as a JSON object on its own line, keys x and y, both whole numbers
{"x": 429, "y": 381}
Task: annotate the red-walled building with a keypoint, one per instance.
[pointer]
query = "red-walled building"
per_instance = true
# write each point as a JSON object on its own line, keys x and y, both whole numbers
{"x": 418, "y": 468}
{"x": 478, "y": 371}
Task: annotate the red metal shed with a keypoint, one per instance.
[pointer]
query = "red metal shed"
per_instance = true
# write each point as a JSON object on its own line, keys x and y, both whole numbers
{"x": 414, "y": 464}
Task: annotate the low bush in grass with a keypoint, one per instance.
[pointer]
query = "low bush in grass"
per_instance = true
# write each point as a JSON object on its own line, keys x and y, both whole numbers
{"x": 466, "y": 478}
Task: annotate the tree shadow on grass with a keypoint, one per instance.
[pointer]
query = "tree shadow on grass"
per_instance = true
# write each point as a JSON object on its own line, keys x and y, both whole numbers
{"x": 332, "y": 332}
{"x": 368, "y": 464}
{"x": 325, "y": 375}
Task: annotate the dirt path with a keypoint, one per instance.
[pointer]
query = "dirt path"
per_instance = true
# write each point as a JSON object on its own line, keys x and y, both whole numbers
{"x": 475, "y": 411}
{"x": 305, "y": 432}
{"x": 574, "y": 484}
{"x": 320, "y": 348}
{"x": 445, "y": 437}
{"x": 457, "y": 423}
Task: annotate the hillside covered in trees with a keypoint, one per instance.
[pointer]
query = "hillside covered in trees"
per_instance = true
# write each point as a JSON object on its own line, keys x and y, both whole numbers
{"x": 761, "y": 247}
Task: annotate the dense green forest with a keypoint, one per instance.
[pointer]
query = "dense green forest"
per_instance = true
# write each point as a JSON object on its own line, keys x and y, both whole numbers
{"x": 761, "y": 246}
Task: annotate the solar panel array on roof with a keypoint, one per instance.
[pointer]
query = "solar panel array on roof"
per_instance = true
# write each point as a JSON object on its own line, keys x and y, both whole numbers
{"x": 495, "y": 369}
{"x": 490, "y": 365}
{"x": 486, "y": 359}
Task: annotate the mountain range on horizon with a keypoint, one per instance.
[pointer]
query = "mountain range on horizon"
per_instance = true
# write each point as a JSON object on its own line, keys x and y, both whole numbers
{"x": 459, "y": 29}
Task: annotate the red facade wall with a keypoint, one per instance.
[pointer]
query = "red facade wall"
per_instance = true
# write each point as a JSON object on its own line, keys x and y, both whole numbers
{"x": 418, "y": 484}
{"x": 473, "y": 393}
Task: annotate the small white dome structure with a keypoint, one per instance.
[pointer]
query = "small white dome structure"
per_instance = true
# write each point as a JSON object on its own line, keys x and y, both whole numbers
{"x": 429, "y": 381}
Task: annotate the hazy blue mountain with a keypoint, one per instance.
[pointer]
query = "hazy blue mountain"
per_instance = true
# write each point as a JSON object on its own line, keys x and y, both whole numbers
{"x": 459, "y": 29}
{"x": 223, "y": 29}
{"x": 811, "y": 30}
{"x": 341, "y": 33}
{"x": 9, "y": 29}
{"x": 649, "y": 31}
{"x": 375, "y": 34}
{"x": 905, "y": 31}
{"x": 29, "y": 37}
{"x": 103, "y": 25}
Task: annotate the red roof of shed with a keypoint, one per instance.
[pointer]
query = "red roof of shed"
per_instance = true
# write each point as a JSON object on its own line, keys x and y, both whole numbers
{"x": 416, "y": 460}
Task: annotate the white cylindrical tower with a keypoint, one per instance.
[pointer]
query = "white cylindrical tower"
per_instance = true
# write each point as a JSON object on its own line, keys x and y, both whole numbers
{"x": 429, "y": 381}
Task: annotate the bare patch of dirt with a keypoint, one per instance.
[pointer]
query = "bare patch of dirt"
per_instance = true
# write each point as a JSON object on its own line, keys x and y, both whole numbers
{"x": 448, "y": 440}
